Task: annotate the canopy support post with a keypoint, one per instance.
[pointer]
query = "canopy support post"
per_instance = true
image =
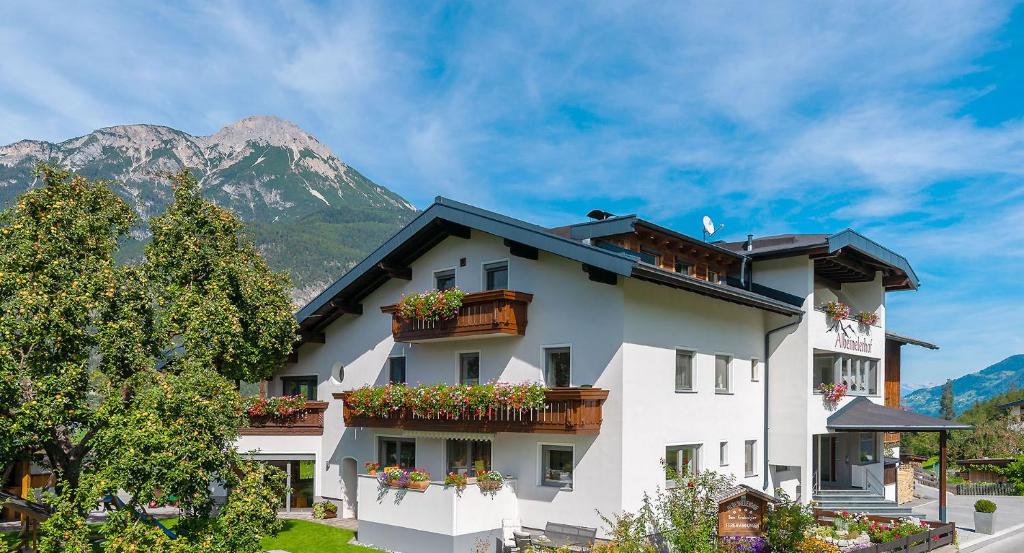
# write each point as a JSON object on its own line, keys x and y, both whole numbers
{"x": 942, "y": 476}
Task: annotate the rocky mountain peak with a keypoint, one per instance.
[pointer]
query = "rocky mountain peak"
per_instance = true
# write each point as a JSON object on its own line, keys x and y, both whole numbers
{"x": 269, "y": 130}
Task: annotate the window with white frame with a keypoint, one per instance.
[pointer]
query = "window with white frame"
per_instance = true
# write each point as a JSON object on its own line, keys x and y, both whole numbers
{"x": 557, "y": 367}
{"x": 684, "y": 370}
{"x": 722, "y": 380}
{"x": 396, "y": 370}
{"x": 443, "y": 280}
{"x": 556, "y": 465}
{"x": 749, "y": 458}
{"x": 681, "y": 459}
{"x": 496, "y": 275}
{"x": 723, "y": 454}
{"x": 860, "y": 374}
{"x": 469, "y": 368}
{"x": 755, "y": 370}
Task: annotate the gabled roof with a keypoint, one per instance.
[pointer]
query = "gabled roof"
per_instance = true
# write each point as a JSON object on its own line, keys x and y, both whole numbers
{"x": 447, "y": 217}
{"x": 1012, "y": 404}
{"x": 864, "y": 415}
{"x": 849, "y": 240}
{"x": 741, "y": 490}
{"x": 625, "y": 224}
{"x": 901, "y": 339}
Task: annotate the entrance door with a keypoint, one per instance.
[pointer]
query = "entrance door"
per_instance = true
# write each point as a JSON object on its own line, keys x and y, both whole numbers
{"x": 825, "y": 453}
{"x": 299, "y": 480}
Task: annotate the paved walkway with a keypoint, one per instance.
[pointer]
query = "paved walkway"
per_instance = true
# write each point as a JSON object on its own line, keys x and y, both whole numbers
{"x": 960, "y": 510}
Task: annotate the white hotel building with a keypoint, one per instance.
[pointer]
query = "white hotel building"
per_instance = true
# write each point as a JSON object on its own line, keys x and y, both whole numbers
{"x": 655, "y": 345}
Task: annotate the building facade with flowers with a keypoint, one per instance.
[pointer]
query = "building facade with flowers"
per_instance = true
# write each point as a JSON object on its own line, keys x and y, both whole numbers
{"x": 581, "y": 367}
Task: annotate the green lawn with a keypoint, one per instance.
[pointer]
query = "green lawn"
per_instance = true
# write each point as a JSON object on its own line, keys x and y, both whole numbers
{"x": 301, "y": 536}
{"x": 297, "y": 536}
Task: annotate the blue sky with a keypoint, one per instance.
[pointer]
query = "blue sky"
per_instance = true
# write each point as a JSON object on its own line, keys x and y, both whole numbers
{"x": 902, "y": 120}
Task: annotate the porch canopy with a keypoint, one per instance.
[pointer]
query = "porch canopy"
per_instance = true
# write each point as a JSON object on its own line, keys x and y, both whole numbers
{"x": 864, "y": 415}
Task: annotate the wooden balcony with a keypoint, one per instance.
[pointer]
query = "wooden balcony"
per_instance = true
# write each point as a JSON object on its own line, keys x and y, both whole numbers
{"x": 565, "y": 411}
{"x": 308, "y": 423}
{"x": 491, "y": 313}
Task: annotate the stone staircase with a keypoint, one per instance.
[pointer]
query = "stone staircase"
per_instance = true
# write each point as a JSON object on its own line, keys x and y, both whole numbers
{"x": 859, "y": 501}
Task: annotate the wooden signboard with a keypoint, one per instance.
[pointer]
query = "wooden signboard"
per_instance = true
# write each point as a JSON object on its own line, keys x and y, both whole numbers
{"x": 742, "y": 515}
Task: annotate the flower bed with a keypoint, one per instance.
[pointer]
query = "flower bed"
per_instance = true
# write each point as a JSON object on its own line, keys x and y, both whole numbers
{"x": 446, "y": 400}
{"x": 435, "y": 305}
{"x": 869, "y": 534}
{"x": 274, "y": 407}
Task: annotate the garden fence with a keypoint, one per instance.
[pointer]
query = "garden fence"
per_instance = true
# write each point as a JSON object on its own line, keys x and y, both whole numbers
{"x": 986, "y": 488}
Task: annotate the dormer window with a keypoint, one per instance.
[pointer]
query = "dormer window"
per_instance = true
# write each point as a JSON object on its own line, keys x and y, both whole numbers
{"x": 713, "y": 276}
{"x": 683, "y": 267}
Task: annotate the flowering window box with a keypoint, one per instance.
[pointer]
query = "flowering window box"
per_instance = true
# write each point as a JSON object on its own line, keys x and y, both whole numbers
{"x": 307, "y": 420}
{"x": 494, "y": 312}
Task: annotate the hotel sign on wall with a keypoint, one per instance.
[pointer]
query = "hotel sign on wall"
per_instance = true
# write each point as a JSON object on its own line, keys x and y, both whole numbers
{"x": 742, "y": 514}
{"x": 849, "y": 335}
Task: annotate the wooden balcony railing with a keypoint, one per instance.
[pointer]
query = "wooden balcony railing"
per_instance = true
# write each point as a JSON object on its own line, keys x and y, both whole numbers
{"x": 565, "y": 411}
{"x": 498, "y": 312}
{"x": 308, "y": 423}
{"x": 891, "y": 438}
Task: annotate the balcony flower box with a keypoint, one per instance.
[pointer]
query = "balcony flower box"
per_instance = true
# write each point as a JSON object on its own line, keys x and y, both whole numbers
{"x": 289, "y": 415}
{"x": 486, "y": 408}
{"x": 494, "y": 312}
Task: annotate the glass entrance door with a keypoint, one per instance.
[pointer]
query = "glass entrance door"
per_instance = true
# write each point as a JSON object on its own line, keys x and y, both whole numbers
{"x": 299, "y": 482}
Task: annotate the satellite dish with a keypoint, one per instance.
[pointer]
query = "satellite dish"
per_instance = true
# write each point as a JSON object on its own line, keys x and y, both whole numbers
{"x": 709, "y": 225}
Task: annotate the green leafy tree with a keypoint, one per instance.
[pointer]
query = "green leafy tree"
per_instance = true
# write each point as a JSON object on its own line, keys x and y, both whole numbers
{"x": 123, "y": 376}
{"x": 946, "y": 402}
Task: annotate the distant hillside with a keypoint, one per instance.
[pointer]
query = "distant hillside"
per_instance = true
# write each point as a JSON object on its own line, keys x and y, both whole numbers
{"x": 979, "y": 386}
{"x": 310, "y": 213}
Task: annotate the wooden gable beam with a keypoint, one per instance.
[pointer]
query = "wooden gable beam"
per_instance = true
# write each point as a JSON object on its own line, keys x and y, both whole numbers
{"x": 521, "y": 250}
{"x": 455, "y": 229}
{"x": 396, "y": 271}
{"x": 347, "y": 308}
{"x": 598, "y": 274}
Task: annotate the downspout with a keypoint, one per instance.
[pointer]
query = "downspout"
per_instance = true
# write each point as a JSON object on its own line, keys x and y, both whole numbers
{"x": 767, "y": 339}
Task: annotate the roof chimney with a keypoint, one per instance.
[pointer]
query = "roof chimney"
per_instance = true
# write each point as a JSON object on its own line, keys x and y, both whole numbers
{"x": 749, "y": 244}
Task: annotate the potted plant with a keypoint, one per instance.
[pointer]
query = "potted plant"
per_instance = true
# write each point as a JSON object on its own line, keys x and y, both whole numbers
{"x": 489, "y": 481}
{"x": 325, "y": 509}
{"x": 984, "y": 516}
{"x": 394, "y": 477}
{"x": 837, "y": 310}
{"x": 371, "y": 468}
{"x": 456, "y": 480}
{"x": 867, "y": 318}
{"x": 419, "y": 479}
{"x": 832, "y": 394}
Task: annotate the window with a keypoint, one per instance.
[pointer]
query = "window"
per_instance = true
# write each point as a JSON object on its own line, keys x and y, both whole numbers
{"x": 681, "y": 459}
{"x": 397, "y": 452}
{"x": 860, "y": 374}
{"x": 469, "y": 456}
{"x": 557, "y": 367}
{"x": 444, "y": 280}
{"x": 469, "y": 368}
{"x": 749, "y": 452}
{"x": 755, "y": 370}
{"x": 723, "y": 454}
{"x": 868, "y": 453}
{"x": 496, "y": 275}
{"x": 396, "y": 370}
{"x": 304, "y": 386}
{"x": 722, "y": 384}
{"x": 683, "y": 267}
{"x": 650, "y": 256}
{"x": 556, "y": 465}
{"x": 713, "y": 276}
{"x": 684, "y": 371}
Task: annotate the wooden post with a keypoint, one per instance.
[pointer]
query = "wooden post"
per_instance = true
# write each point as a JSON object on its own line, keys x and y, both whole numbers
{"x": 942, "y": 476}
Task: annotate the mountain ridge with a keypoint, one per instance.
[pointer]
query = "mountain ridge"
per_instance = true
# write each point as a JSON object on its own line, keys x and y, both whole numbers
{"x": 970, "y": 388}
{"x": 269, "y": 171}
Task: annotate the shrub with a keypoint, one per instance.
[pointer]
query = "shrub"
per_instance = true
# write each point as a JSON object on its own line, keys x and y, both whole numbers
{"x": 322, "y": 508}
{"x": 984, "y": 506}
{"x": 787, "y": 523}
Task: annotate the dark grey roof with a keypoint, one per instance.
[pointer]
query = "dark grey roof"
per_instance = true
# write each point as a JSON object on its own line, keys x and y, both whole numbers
{"x": 624, "y": 224}
{"x": 1012, "y": 404}
{"x": 900, "y": 338}
{"x": 743, "y": 489}
{"x": 864, "y": 415}
{"x": 728, "y": 293}
{"x": 428, "y": 228}
{"x": 784, "y": 245}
